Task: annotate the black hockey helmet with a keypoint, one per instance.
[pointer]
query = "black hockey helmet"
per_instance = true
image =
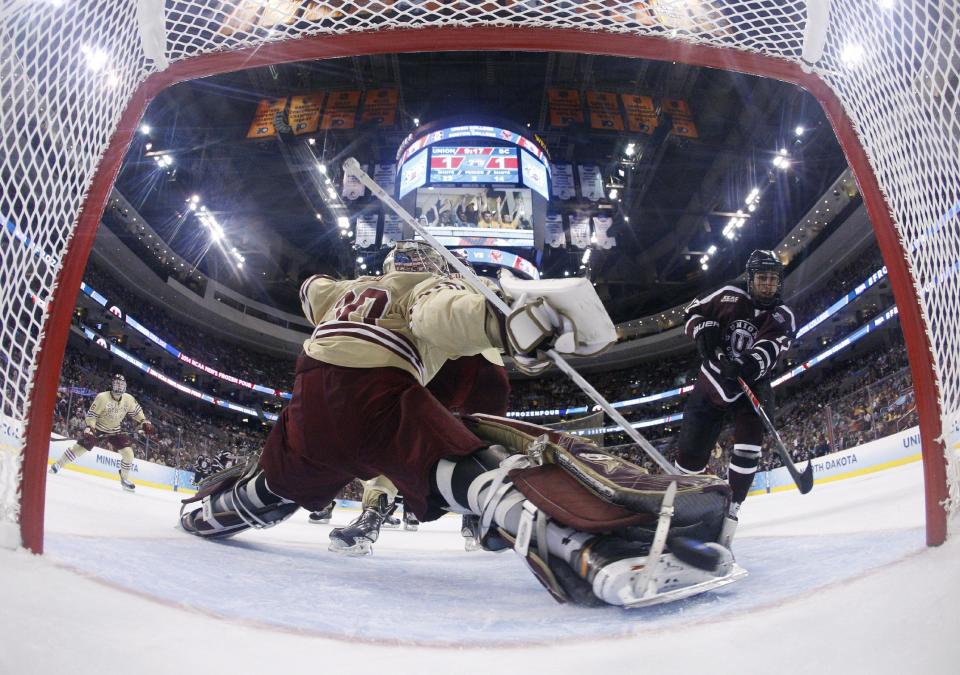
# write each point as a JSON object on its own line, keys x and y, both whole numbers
{"x": 763, "y": 260}
{"x": 118, "y": 385}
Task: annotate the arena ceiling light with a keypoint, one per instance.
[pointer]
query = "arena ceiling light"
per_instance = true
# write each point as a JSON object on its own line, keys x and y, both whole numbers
{"x": 782, "y": 160}
{"x": 145, "y": 129}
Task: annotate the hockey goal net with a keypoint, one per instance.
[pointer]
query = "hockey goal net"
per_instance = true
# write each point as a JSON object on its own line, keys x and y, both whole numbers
{"x": 76, "y": 75}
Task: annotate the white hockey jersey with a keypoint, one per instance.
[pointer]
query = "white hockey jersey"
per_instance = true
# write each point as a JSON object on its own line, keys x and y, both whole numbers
{"x": 106, "y": 413}
{"x": 408, "y": 320}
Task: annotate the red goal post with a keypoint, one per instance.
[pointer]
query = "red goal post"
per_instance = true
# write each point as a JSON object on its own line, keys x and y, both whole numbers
{"x": 77, "y": 76}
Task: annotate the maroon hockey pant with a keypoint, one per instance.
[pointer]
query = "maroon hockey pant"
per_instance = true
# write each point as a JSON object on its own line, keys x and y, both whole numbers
{"x": 346, "y": 423}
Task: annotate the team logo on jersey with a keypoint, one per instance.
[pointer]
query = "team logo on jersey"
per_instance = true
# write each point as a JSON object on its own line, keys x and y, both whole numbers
{"x": 779, "y": 317}
{"x": 740, "y": 335}
{"x": 729, "y": 298}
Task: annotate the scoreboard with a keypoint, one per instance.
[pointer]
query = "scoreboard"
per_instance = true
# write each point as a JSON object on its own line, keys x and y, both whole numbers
{"x": 473, "y": 164}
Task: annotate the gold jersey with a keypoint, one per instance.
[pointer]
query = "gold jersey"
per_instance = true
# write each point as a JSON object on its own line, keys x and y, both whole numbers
{"x": 409, "y": 320}
{"x": 106, "y": 413}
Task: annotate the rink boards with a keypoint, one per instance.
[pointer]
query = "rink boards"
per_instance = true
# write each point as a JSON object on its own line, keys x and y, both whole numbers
{"x": 884, "y": 453}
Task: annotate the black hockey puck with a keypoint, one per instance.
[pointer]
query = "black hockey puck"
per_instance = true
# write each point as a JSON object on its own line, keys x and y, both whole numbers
{"x": 693, "y": 552}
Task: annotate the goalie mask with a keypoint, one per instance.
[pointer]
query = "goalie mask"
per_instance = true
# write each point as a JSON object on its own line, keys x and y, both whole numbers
{"x": 119, "y": 385}
{"x": 415, "y": 256}
{"x": 764, "y": 278}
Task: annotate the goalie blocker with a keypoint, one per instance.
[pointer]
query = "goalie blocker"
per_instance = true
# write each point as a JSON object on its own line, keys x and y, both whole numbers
{"x": 593, "y": 528}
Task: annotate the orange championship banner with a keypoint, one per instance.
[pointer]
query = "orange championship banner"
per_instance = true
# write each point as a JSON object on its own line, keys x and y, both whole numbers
{"x": 341, "y": 112}
{"x": 380, "y": 107}
{"x": 682, "y": 117}
{"x": 565, "y": 107}
{"x": 604, "y": 111}
{"x": 263, "y": 126}
{"x": 305, "y": 112}
{"x": 641, "y": 113}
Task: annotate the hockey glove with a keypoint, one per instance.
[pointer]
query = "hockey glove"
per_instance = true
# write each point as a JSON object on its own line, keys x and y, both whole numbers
{"x": 752, "y": 370}
{"x": 532, "y": 327}
{"x": 730, "y": 369}
{"x": 148, "y": 429}
{"x": 708, "y": 339}
{"x": 89, "y": 439}
{"x": 747, "y": 368}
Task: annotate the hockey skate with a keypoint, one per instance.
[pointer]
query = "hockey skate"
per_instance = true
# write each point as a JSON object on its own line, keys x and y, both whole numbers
{"x": 232, "y": 501}
{"x": 322, "y": 517}
{"x": 357, "y": 538}
{"x": 469, "y": 530}
{"x": 126, "y": 483}
{"x": 410, "y": 522}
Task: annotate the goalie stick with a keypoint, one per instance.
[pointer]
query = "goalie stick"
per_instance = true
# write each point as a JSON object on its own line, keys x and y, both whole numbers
{"x": 352, "y": 166}
{"x": 803, "y": 479}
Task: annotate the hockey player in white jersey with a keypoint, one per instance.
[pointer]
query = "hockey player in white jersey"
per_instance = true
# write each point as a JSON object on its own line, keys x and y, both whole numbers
{"x": 104, "y": 422}
{"x": 584, "y": 521}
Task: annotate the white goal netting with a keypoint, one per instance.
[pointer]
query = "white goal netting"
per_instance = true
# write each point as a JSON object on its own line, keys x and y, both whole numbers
{"x": 69, "y": 68}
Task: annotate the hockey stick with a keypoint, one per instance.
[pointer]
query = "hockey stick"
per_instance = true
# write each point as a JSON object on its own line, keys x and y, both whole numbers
{"x": 803, "y": 479}
{"x": 352, "y": 166}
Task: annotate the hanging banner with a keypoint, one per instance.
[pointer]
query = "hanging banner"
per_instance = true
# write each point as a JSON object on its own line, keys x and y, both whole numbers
{"x": 380, "y": 107}
{"x": 341, "y": 110}
{"x": 601, "y": 224}
{"x": 604, "y": 111}
{"x": 562, "y": 178}
{"x": 553, "y": 231}
{"x": 591, "y": 182}
{"x": 580, "y": 231}
{"x": 385, "y": 176}
{"x": 305, "y": 112}
{"x": 641, "y": 113}
{"x": 263, "y": 126}
{"x": 565, "y": 108}
{"x": 366, "y": 229}
{"x": 352, "y": 187}
{"x": 682, "y": 117}
{"x": 392, "y": 229}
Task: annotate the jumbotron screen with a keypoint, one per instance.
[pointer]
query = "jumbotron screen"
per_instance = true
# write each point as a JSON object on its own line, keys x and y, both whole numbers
{"x": 474, "y": 164}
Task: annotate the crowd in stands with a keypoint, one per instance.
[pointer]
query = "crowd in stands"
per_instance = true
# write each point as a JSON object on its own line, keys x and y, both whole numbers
{"x": 833, "y": 408}
{"x": 187, "y": 436}
{"x": 827, "y": 412}
{"x": 224, "y": 356}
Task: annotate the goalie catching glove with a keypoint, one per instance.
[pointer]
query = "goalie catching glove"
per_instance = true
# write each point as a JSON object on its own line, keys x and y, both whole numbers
{"x": 561, "y": 314}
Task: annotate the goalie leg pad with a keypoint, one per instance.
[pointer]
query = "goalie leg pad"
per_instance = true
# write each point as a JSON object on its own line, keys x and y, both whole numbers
{"x": 233, "y": 502}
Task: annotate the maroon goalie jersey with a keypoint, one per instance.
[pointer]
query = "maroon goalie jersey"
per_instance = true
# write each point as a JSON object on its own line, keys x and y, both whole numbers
{"x": 746, "y": 332}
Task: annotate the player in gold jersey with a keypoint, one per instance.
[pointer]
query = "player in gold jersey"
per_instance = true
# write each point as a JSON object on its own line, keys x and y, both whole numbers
{"x": 103, "y": 422}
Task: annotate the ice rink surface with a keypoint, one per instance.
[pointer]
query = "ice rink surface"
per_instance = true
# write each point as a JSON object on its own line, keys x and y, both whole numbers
{"x": 839, "y": 579}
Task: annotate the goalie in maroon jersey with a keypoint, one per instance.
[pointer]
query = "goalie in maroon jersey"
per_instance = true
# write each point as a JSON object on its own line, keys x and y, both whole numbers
{"x": 740, "y": 332}
{"x": 360, "y": 409}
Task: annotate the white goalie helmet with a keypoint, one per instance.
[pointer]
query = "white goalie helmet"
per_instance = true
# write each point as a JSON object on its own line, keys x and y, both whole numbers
{"x": 118, "y": 385}
{"x": 415, "y": 256}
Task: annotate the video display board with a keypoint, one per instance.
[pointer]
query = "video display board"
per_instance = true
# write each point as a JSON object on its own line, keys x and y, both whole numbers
{"x": 477, "y": 216}
{"x": 474, "y": 164}
{"x": 535, "y": 174}
{"x": 413, "y": 173}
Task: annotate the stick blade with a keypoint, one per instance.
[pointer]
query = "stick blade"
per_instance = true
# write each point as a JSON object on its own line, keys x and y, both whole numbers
{"x": 804, "y": 480}
{"x": 351, "y": 166}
